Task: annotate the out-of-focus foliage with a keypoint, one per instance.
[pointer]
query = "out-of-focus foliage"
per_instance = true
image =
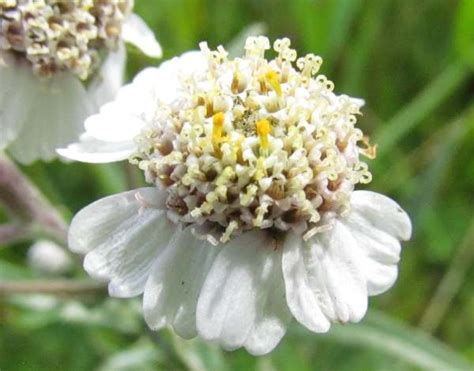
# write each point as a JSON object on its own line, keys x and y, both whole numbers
{"x": 413, "y": 63}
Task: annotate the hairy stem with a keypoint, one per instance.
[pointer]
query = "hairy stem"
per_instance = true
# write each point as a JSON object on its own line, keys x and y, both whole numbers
{"x": 56, "y": 287}
{"x": 13, "y": 232}
{"x": 27, "y": 205}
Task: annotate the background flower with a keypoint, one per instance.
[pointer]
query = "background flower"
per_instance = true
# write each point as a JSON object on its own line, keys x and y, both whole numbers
{"x": 60, "y": 62}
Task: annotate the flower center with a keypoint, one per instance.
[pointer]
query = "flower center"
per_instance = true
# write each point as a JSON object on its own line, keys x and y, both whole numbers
{"x": 56, "y": 35}
{"x": 251, "y": 143}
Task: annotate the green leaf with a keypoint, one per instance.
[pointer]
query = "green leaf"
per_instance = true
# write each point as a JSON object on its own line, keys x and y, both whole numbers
{"x": 9, "y": 271}
{"x": 142, "y": 355}
{"x": 199, "y": 356}
{"x": 110, "y": 177}
{"x": 422, "y": 106}
{"x": 464, "y": 32}
{"x": 355, "y": 64}
{"x": 326, "y": 25}
{"x": 446, "y": 148}
{"x": 35, "y": 311}
{"x": 381, "y": 333}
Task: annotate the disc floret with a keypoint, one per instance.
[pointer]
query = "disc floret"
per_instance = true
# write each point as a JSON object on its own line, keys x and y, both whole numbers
{"x": 256, "y": 143}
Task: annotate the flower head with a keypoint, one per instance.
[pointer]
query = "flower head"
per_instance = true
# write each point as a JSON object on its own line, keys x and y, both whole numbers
{"x": 252, "y": 217}
{"x": 56, "y": 35}
{"x": 59, "y": 61}
{"x": 255, "y": 144}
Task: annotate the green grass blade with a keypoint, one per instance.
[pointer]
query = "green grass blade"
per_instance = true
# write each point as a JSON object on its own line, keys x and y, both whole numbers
{"x": 424, "y": 104}
{"x": 383, "y": 334}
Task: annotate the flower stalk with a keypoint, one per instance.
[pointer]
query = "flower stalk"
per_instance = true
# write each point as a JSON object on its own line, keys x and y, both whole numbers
{"x": 30, "y": 211}
{"x": 10, "y": 233}
{"x": 52, "y": 287}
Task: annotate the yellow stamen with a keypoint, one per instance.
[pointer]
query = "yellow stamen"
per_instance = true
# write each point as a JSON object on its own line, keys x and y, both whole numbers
{"x": 217, "y": 126}
{"x": 273, "y": 79}
{"x": 238, "y": 150}
{"x": 235, "y": 85}
{"x": 209, "y": 108}
{"x": 263, "y": 85}
{"x": 263, "y": 129}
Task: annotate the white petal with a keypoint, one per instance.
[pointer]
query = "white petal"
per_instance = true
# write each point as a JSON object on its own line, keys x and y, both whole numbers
{"x": 134, "y": 105}
{"x": 323, "y": 279}
{"x": 136, "y": 32}
{"x": 161, "y": 84}
{"x": 109, "y": 78}
{"x": 123, "y": 234}
{"x": 272, "y": 321}
{"x": 190, "y": 63}
{"x": 92, "y": 150}
{"x": 92, "y": 225}
{"x": 57, "y": 110}
{"x": 383, "y": 213}
{"x": 234, "y": 304}
{"x": 377, "y": 233}
{"x": 113, "y": 124}
{"x": 339, "y": 270}
{"x": 302, "y": 300}
{"x": 110, "y": 134}
{"x": 15, "y": 91}
{"x": 380, "y": 272}
{"x": 172, "y": 290}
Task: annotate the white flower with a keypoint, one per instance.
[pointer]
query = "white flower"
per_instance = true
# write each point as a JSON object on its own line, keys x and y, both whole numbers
{"x": 59, "y": 62}
{"x": 252, "y": 219}
{"x": 49, "y": 258}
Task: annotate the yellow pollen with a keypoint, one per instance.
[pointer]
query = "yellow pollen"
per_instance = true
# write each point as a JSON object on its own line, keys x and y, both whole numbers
{"x": 263, "y": 129}
{"x": 217, "y": 126}
{"x": 272, "y": 78}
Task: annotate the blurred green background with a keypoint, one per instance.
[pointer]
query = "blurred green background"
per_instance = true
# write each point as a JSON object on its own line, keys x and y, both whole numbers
{"x": 413, "y": 63}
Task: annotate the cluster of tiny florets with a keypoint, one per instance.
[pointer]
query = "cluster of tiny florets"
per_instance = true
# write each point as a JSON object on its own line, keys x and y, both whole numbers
{"x": 59, "y": 35}
{"x": 256, "y": 144}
